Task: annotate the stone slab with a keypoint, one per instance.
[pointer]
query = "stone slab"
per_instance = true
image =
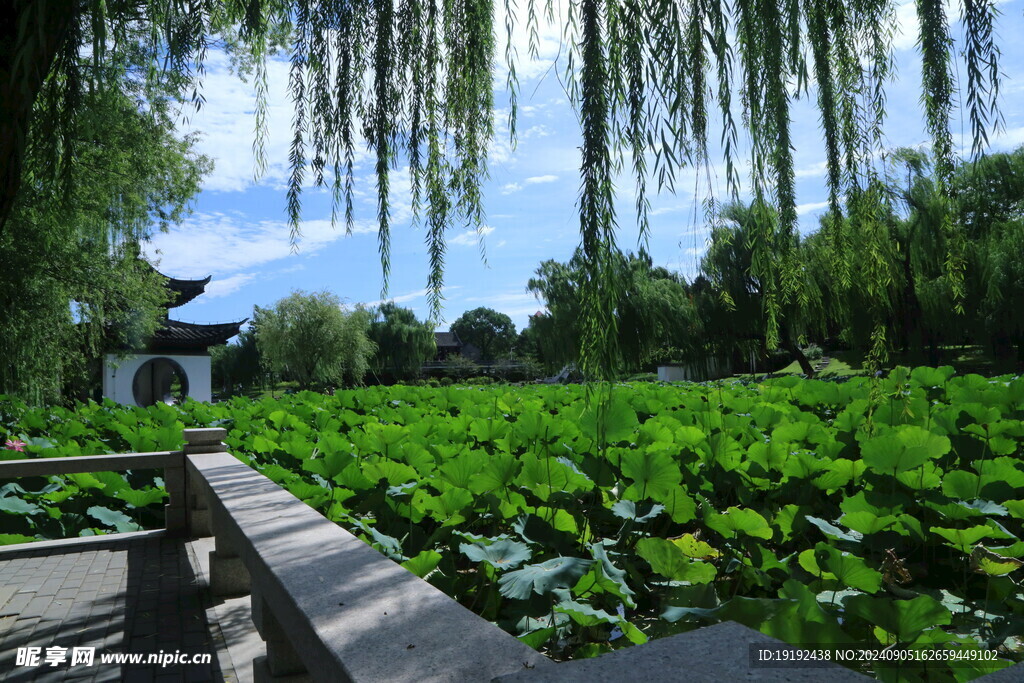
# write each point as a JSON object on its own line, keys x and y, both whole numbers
{"x": 1011, "y": 674}
{"x": 352, "y": 613}
{"x": 205, "y": 435}
{"x": 707, "y": 655}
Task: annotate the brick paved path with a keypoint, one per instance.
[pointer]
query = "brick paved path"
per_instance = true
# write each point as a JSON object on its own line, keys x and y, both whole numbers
{"x": 137, "y": 596}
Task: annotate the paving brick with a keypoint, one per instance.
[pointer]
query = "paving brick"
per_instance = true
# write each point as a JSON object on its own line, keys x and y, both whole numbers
{"x": 35, "y": 607}
{"x": 110, "y": 674}
{"x": 144, "y": 589}
{"x": 22, "y": 627}
{"x": 16, "y": 604}
{"x": 80, "y": 674}
{"x": 49, "y": 588}
{"x": 57, "y": 610}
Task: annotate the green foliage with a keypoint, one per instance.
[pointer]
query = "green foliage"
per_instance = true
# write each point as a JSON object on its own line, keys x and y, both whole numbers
{"x": 654, "y": 312}
{"x": 488, "y": 330}
{"x": 74, "y": 287}
{"x": 403, "y": 342}
{"x": 311, "y": 339}
{"x": 237, "y": 365}
{"x": 777, "y": 505}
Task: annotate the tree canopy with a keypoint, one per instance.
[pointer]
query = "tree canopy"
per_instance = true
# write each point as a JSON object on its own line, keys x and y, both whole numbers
{"x": 403, "y": 342}
{"x": 73, "y": 285}
{"x": 309, "y": 339}
{"x": 488, "y": 330}
{"x": 413, "y": 79}
{"x": 654, "y": 312}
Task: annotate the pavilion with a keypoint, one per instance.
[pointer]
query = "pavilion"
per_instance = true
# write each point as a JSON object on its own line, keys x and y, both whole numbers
{"x": 174, "y": 363}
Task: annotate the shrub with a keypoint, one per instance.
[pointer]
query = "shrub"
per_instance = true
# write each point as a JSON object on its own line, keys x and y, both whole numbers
{"x": 813, "y": 352}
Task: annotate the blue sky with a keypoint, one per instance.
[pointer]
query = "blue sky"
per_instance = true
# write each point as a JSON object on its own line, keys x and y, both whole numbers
{"x": 238, "y": 232}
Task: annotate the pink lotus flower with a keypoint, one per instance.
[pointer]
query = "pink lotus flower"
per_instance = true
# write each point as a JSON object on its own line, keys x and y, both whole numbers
{"x": 15, "y": 445}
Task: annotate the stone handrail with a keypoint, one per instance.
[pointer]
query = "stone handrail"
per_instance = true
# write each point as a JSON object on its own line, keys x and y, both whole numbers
{"x": 41, "y": 467}
{"x": 328, "y": 605}
{"x": 171, "y": 462}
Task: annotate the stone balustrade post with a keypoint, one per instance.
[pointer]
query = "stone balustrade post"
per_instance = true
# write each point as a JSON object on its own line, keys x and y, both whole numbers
{"x": 228, "y": 574}
{"x": 176, "y": 510}
{"x": 197, "y": 442}
{"x": 282, "y": 662}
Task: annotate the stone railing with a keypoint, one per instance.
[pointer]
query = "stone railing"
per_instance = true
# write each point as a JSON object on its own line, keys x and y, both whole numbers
{"x": 171, "y": 462}
{"x": 327, "y": 604}
{"x": 331, "y": 608}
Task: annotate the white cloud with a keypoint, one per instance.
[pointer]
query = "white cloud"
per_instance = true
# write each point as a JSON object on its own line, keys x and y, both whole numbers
{"x": 817, "y": 170}
{"x": 533, "y": 180}
{"x": 406, "y": 298}
{"x": 229, "y": 285}
{"x": 400, "y": 299}
{"x": 471, "y": 237}
{"x": 540, "y": 131}
{"x": 228, "y": 127}
{"x": 803, "y": 209}
{"x": 216, "y": 243}
{"x": 1009, "y": 138}
{"x": 497, "y": 300}
{"x": 548, "y": 42}
{"x": 661, "y": 210}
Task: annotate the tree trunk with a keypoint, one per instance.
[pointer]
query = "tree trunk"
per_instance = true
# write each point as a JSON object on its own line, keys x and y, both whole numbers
{"x": 32, "y": 32}
{"x": 912, "y": 315}
{"x": 794, "y": 350}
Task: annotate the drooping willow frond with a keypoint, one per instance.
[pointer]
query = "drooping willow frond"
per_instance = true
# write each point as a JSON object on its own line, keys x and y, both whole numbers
{"x": 412, "y": 80}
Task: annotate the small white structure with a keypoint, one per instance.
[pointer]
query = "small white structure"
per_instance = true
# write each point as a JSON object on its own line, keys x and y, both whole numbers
{"x": 147, "y": 378}
{"x": 700, "y": 371}
{"x": 175, "y": 364}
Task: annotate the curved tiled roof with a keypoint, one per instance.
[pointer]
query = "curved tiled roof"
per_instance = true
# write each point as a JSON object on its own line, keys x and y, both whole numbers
{"x": 447, "y": 339}
{"x": 185, "y": 290}
{"x": 178, "y": 335}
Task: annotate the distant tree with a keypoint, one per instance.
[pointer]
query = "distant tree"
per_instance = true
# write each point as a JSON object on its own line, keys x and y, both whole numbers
{"x": 238, "y": 363}
{"x": 488, "y": 330}
{"x": 989, "y": 203}
{"x": 311, "y": 339}
{"x": 403, "y": 342}
{"x": 654, "y": 311}
{"x": 728, "y": 266}
{"x": 528, "y": 344}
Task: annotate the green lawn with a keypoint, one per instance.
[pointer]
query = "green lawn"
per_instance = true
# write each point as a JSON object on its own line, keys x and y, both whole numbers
{"x": 841, "y": 364}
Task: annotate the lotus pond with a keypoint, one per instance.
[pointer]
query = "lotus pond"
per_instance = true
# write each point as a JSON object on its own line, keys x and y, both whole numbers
{"x": 788, "y": 506}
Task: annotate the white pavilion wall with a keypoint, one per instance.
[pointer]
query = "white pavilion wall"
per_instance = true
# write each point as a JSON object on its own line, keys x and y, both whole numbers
{"x": 119, "y": 375}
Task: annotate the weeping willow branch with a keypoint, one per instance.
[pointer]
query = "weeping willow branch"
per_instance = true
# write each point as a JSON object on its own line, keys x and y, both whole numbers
{"x": 412, "y": 81}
